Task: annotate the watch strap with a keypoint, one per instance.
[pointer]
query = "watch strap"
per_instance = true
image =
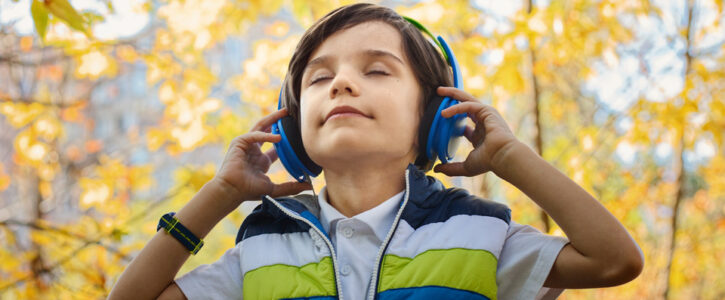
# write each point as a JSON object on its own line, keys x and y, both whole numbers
{"x": 172, "y": 226}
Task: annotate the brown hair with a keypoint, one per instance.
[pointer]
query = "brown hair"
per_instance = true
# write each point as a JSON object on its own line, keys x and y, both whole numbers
{"x": 429, "y": 66}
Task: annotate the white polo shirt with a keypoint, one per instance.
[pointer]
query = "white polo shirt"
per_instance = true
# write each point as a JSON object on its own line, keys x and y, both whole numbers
{"x": 357, "y": 241}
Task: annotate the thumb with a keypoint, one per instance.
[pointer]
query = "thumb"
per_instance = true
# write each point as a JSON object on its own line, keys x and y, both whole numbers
{"x": 289, "y": 188}
{"x": 451, "y": 169}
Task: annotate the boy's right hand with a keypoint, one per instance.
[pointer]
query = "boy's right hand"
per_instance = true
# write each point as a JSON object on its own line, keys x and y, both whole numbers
{"x": 244, "y": 168}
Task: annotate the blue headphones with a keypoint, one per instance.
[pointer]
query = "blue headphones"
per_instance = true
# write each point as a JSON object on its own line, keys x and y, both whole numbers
{"x": 437, "y": 136}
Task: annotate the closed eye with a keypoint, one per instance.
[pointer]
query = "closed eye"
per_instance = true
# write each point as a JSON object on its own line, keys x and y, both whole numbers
{"x": 377, "y": 72}
{"x": 373, "y": 72}
{"x": 318, "y": 79}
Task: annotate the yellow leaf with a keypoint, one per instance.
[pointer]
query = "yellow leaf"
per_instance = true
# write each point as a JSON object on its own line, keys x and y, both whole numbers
{"x": 26, "y": 43}
{"x": 95, "y": 192}
{"x": 155, "y": 138}
{"x": 20, "y": 114}
{"x": 277, "y": 29}
{"x": 126, "y": 52}
{"x": 4, "y": 179}
{"x": 47, "y": 127}
{"x": 194, "y": 177}
{"x": 95, "y": 64}
{"x": 40, "y": 18}
{"x": 141, "y": 177}
{"x": 45, "y": 188}
{"x": 28, "y": 146}
{"x": 64, "y": 11}
{"x": 509, "y": 77}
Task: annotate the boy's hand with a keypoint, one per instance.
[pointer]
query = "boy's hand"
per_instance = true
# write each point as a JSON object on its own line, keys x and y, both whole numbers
{"x": 491, "y": 137}
{"x": 245, "y": 166}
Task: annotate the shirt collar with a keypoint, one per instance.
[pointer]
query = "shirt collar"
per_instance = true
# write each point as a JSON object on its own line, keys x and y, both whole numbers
{"x": 379, "y": 218}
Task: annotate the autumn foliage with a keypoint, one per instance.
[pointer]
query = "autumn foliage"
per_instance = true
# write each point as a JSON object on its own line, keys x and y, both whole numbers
{"x": 102, "y": 132}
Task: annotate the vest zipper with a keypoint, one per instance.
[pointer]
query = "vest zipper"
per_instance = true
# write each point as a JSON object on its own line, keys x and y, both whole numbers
{"x": 294, "y": 215}
{"x": 376, "y": 269}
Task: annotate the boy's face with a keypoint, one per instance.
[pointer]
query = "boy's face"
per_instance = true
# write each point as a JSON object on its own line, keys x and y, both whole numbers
{"x": 364, "y": 68}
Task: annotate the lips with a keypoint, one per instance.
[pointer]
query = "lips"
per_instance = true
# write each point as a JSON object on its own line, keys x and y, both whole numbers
{"x": 344, "y": 109}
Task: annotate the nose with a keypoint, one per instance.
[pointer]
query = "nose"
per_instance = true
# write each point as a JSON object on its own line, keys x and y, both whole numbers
{"x": 343, "y": 83}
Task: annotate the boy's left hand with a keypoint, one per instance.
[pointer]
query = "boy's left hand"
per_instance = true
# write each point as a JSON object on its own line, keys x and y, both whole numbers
{"x": 491, "y": 137}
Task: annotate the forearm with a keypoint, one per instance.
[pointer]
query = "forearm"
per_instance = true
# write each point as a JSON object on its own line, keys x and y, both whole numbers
{"x": 155, "y": 267}
{"x": 592, "y": 230}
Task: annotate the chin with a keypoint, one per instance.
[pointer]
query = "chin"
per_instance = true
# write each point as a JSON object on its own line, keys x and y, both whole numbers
{"x": 344, "y": 146}
{"x": 354, "y": 150}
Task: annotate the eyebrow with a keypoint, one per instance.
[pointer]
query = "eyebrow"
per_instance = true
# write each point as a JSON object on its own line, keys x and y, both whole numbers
{"x": 369, "y": 52}
{"x": 382, "y": 53}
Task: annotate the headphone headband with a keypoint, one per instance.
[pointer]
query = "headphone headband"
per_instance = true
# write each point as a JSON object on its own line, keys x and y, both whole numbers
{"x": 425, "y": 30}
{"x": 445, "y": 50}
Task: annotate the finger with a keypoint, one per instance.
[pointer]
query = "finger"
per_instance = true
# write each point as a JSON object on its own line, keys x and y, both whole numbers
{"x": 259, "y": 137}
{"x": 271, "y": 154}
{"x": 468, "y": 133}
{"x": 289, "y": 188}
{"x": 270, "y": 119}
{"x": 451, "y": 169}
{"x": 471, "y": 108}
{"x": 266, "y": 129}
{"x": 460, "y": 95}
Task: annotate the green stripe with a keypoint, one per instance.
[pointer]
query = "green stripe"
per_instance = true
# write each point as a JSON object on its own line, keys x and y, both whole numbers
{"x": 465, "y": 269}
{"x": 285, "y": 281}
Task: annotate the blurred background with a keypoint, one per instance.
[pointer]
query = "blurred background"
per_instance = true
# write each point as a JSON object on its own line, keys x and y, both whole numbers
{"x": 114, "y": 112}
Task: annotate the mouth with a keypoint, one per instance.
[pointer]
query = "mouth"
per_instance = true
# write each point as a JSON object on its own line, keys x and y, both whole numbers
{"x": 345, "y": 111}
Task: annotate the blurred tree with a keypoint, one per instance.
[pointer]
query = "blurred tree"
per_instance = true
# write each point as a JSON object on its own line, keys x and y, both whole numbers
{"x": 99, "y": 136}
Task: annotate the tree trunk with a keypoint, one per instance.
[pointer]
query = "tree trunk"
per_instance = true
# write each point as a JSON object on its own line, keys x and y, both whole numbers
{"x": 679, "y": 168}
{"x": 537, "y": 114}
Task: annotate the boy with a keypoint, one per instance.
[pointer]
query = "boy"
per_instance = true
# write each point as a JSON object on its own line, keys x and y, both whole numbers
{"x": 357, "y": 85}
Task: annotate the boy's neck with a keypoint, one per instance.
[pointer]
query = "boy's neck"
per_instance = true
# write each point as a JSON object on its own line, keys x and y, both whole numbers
{"x": 354, "y": 190}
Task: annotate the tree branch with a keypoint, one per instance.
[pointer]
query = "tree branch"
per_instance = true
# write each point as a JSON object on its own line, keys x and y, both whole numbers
{"x": 42, "y": 227}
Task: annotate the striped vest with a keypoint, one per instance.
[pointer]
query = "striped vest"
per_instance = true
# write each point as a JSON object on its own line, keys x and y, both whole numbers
{"x": 444, "y": 244}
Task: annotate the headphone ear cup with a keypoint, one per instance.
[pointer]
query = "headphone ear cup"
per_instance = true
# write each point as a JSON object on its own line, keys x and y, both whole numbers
{"x": 286, "y": 154}
{"x": 290, "y": 150}
{"x": 438, "y": 136}
{"x": 447, "y": 132}
{"x": 426, "y": 156}
{"x": 294, "y": 137}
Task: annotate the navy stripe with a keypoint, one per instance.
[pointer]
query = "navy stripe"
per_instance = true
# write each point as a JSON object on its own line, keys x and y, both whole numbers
{"x": 430, "y": 202}
{"x": 309, "y": 216}
{"x": 430, "y": 292}
{"x": 267, "y": 218}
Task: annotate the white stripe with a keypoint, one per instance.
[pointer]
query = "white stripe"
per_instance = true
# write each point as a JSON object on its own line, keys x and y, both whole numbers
{"x": 294, "y": 249}
{"x": 462, "y": 231}
{"x": 321, "y": 235}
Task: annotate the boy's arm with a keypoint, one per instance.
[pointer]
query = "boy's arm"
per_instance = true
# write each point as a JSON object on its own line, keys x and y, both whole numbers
{"x": 242, "y": 176}
{"x": 172, "y": 292}
{"x": 153, "y": 270}
{"x": 600, "y": 252}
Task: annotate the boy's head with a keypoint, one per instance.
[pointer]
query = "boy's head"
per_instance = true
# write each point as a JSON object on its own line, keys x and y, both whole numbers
{"x": 369, "y": 58}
